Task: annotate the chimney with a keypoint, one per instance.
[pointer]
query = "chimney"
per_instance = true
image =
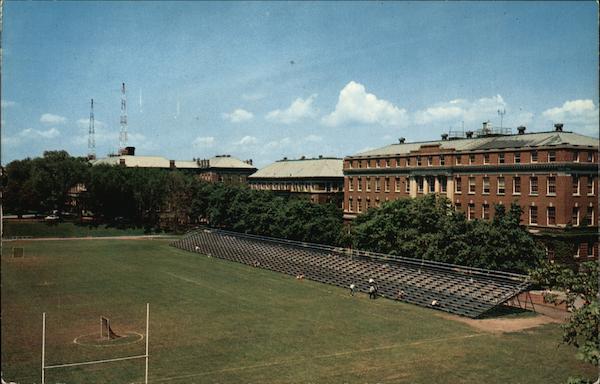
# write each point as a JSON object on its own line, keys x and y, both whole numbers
{"x": 401, "y": 140}
{"x": 249, "y": 161}
{"x": 521, "y": 129}
{"x": 444, "y": 136}
{"x": 558, "y": 127}
{"x": 469, "y": 134}
{"x": 172, "y": 164}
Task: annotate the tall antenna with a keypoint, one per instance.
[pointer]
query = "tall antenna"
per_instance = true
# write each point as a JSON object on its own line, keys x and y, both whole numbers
{"x": 501, "y": 112}
{"x": 91, "y": 134}
{"x": 123, "y": 134}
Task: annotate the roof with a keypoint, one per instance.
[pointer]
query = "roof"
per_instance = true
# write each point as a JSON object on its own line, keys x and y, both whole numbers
{"x": 537, "y": 139}
{"x": 316, "y": 168}
{"x": 161, "y": 162}
{"x": 135, "y": 161}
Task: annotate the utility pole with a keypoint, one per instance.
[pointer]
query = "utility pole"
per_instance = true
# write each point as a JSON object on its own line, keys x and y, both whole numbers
{"x": 91, "y": 134}
{"x": 501, "y": 112}
{"x": 123, "y": 134}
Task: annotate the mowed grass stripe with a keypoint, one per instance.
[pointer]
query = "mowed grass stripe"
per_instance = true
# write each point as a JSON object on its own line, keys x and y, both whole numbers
{"x": 231, "y": 323}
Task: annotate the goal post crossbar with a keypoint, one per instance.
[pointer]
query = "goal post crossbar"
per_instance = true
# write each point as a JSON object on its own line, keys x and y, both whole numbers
{"x": 144, "y": 356}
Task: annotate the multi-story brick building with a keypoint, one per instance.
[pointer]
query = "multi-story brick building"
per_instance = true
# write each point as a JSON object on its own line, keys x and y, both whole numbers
{"x": 552, "y": 175}
{"x": 321, "y": 179}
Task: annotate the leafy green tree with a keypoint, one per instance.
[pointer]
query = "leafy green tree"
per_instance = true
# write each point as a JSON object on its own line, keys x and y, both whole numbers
{"x": 20, "y": 195}
{"x": 580, "y": 285}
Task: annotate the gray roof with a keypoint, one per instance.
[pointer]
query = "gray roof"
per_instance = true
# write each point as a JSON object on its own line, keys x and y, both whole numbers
{"x": 161, "y": 162}
{"x": 315, "y": 168}
{"x": 538, "y": 139}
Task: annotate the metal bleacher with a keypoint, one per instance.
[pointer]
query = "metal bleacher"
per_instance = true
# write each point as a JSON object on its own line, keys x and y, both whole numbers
{"x": 456, "y": 289}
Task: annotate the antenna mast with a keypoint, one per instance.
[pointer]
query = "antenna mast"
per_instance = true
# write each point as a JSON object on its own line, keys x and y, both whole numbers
{"x": 501, "y": 112}
{"x": 123, "y": 134}
{"x": 91, "y": 134}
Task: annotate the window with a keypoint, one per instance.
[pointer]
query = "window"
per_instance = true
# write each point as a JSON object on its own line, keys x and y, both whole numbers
{"x": 576, "y": 156}
{"x": 516, "y": 185}
{"x": 360, "y": 164}
{"x": 501, "y": 158}
{"x": 420, "y": 184}
{"x": 387, "y": 184}
{"x": 551, "y": 215}
{"x": 368, "y": 186}
{"x": 590, "y": 156}
{"x": 377, "y": 184}
{"x": 471, "y": 211}
{"x": 419, "y": 161}
{"x": 534, "y": 156}
{"x": 590, "y": 249}
{"x": 486, "y": 185}
{"x": 368, "y": 163}
{"x": 457, "y": 185}
{"x": 359, "y": 183}
{"x": 407, "y": 185}
{"x": 575, "y": 217}
{"x": 485, "y": 211}
{"x": 408, "y": 161}
{"x": 359, "y": 206}
{"x": 533, "y": 215}
{"x": 458, "y": 206}
{"x": 368, "y": 205}
{"x": 575, "y": 182}
{"x": 350, "y": 205}
{"x": 577, "y": 252}
{"x": 431, "y": 184}
{"x": 551, "y": 156}
{"x": 590, "y": 185}
{"x": 387, "y": 163}
{"x": 398, "y": 162}
{"x": 397, "y": 186}
{"x": 429, "y": 160}
{"x": 551, "y": 190}
{"x": 351, "y": 184}
{"x": 442, "y": 160}
{"x": 590, "y": 216}
{"x": 471, "y": 184}
{"x": 471, "y": 159}
{"x": 517, "y": 157}
{"x": 486, "y": 158}
{"x": 377, "y": 163}
{"x": 443, "y": 184}
{"x": 350, "y": 164}
{"x": 533, "y": 185}
{"x": 458, "y": 159}
{"x": 501, "y": 186}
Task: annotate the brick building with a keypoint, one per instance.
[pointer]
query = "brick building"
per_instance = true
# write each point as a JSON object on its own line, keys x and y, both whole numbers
{"x": 552, "y": 175}
{"x": 321, "y": 179}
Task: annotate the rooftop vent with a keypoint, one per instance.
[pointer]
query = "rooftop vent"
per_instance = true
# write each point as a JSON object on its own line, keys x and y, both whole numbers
{"x": 249, "y": 161}
{"x": 469, "y": 134}
{"x": 444, "y": 136}
{"x": 558, "y": 127}
{"x": 401, "y": 140}
{"x": 521, "y": 129}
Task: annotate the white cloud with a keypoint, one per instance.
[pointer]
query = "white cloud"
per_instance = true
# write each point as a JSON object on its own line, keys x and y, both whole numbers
{"x": 575, "y": 114}
{"x": 247, "y": 140}
{"x": 48, "y": 118}
{"x": 33, "y": 134}
{"x": 298, "y": 110}
{"x": 7, "y": 103}
{"x": 461, "y": 110}
{"x": 238, "y": 116}
{"x": 355, "y": 105}
{"x": 313, "y": 138}
{"x": 206, "y": 141}
{"x": 278, "y": 144}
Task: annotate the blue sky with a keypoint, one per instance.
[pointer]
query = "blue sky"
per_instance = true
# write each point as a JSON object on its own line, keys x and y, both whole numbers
{"x": 264, "y": 80}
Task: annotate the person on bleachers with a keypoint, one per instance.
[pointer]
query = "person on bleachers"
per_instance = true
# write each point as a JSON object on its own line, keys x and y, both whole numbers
{"x": 434, "y": 303}
{"x": 352, "y": 288}
{"x": 400, "y": 295}
{"x": 372, "y": 292}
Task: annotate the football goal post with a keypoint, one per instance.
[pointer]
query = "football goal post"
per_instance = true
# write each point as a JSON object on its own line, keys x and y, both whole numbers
{"x": 106, "y": 333}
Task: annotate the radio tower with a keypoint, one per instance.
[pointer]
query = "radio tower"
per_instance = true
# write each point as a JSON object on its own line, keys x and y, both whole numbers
{"x": 123, "y": 134}
{"x": 91, "y": 134}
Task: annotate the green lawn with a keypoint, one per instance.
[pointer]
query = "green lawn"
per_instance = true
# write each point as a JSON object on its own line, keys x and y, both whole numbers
{"x": 214, "y": 321}
{"x": 14, "y": 228}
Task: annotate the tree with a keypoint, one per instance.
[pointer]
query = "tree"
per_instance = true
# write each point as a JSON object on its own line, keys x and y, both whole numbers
{"x": 20, "y": 195}
{"x": 580, "y": 285}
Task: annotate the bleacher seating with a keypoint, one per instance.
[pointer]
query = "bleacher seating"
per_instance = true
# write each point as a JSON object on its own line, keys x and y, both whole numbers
{"x": 456, "y": 289}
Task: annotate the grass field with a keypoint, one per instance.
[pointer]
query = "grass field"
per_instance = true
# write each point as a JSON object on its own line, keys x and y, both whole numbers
{"x": 214, "y": 321}
{"x": 13, "y": 228}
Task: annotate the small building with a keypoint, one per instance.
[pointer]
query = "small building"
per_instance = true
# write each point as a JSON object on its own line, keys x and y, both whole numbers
{"x": 319, "y": 179}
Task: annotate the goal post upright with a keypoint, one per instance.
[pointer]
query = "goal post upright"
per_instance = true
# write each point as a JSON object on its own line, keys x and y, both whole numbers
{"x": 147, "y": 339}
{"x": 43, "y": 345}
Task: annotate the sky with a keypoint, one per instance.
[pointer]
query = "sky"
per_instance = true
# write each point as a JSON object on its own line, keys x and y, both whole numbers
{"x": 267, "y": 80}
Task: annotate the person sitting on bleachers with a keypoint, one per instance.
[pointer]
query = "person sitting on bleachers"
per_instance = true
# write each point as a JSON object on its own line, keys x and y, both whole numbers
{"x": 434, "y": 303}
{"x": 352, "y": 288}
{"x": 400, "y": 295}
{"x": 372, "y": 292}
{"x": 197, "y": 248}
